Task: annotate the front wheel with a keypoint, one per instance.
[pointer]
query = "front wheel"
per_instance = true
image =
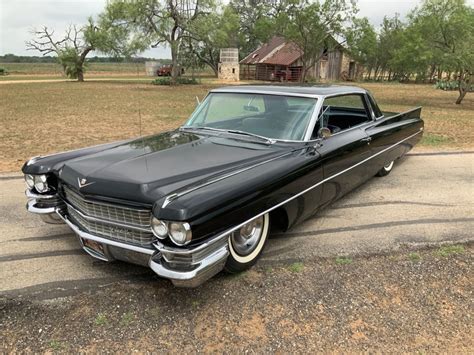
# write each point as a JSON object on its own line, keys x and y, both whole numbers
{"x": 246, "y": 244}
{"x": 386, "y": 169}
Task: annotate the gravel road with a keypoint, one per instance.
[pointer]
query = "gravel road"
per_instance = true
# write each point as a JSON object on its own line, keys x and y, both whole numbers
{"x": 377, "y": 270}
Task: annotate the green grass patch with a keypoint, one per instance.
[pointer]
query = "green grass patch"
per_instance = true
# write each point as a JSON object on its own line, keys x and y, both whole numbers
{"x": 414, "y": 256}
{"x": 343, "y": 260}
{"x": 296, "y": 267}
{"x": 56, "y": 345}
{"x": 434, "y": 140}
{"x": 449, "y": 250}
{"x": 100, "y": 320}
{"x": 126, "y": 319}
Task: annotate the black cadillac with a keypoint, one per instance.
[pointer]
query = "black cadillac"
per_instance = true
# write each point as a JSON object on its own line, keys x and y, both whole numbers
{"x": 202, "y": 198}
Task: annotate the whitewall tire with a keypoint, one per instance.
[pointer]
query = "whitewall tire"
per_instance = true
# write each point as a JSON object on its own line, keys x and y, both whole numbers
{"x": 246, "y": 244}
{"x": 386, "y": 169}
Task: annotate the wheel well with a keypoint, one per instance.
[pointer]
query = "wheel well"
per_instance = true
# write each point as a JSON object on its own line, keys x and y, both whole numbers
{"x": 279, "y": 220}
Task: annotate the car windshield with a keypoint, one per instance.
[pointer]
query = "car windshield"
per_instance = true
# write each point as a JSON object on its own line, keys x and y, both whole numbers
{"x": 254, "y": 115}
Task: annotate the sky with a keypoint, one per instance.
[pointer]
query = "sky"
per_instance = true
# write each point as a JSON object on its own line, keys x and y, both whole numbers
{"x": 19, "y": 17}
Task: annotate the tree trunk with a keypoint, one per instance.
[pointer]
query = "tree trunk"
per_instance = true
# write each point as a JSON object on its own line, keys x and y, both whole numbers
{"x": 80, "y": 63}
{"x": 174, "y": 62}
{"x": 464, "y": 83}
{"x": 80, "y": 75}
{"x": 303, "y": 74}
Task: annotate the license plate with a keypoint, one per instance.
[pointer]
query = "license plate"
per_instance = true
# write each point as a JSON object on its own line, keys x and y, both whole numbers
{"x": 94, "y": 246}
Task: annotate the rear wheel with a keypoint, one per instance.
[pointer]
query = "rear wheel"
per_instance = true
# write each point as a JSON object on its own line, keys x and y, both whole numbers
{"x": 386, "y": 169}
{"x": 246, "y": 244}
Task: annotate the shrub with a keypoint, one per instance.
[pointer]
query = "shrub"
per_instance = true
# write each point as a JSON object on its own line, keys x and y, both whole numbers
{"x": 3, "y": 71}
{"x": 180, "y": 80}
{"x": 449, "y": 85}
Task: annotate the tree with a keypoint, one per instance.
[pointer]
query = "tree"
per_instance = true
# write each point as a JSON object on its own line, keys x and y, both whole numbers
{"x": 159, "y": 22}
{"x": 448, "y": 29}
{"x": 209, "y": 34}
{"x": 361, "y": 40}
{"x": 257, "y": 22}
{"x": 77, "y": 42}
{"x": 314, "y": 27}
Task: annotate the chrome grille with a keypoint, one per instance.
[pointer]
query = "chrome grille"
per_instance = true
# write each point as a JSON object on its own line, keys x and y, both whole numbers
{"x": 123, "y": 224}
{"x": 114, "y": 232}
{"x": 107, "y": 212}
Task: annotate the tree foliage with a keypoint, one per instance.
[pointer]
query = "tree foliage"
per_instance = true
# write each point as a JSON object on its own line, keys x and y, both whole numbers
{"x": 315, "y": 27}
{"x": 208, "y": 35}
{"x": 77, "y": 42}
{"x": 158, "y": 22}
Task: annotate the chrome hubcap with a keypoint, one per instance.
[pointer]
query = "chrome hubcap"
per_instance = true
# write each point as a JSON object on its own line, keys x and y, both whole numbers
{"x": 388, "y": 166}
{"x": 245, "y": 240}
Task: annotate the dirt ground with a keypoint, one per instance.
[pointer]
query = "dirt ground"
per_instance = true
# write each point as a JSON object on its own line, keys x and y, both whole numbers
{"x": 39, "y": 118}
{"x": 407, "y": 302}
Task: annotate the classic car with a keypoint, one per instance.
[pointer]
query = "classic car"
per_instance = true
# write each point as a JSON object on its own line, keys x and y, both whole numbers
{"x": 202, "y": 198}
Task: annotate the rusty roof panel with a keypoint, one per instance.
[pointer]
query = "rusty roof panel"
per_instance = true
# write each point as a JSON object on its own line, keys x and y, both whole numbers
{"x": 286, "y": 55}
{"x": 257, "y": 55}
{"x": 277, "y": 52}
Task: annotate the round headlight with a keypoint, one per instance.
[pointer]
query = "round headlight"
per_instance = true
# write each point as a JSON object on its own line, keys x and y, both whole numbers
{"x": 180, "y": 233}
{"x": 30, "y": 181}
{"x": 160, "y": 229}
{"x": 40, "y": 183}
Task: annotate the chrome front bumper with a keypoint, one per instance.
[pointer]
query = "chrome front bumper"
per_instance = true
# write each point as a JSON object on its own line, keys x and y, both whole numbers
{"x": 184, "y": 267}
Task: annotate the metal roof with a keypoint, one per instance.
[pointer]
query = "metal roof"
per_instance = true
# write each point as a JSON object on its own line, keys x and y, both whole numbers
{"x": 277, "y": 51}
{"x": 295, "y": 90}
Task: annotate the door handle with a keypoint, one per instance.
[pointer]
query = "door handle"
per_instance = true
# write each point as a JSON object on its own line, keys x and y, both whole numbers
{"x": 367, "y": 139}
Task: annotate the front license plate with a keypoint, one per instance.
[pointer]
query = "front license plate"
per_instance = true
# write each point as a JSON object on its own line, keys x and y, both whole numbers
{"x": 94, "y": 246}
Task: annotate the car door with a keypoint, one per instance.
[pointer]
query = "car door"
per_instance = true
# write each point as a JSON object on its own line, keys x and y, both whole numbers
{"x": 344, "y": 154}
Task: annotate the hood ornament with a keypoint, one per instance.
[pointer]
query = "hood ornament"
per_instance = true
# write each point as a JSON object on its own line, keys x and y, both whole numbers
{"x": 83, "y": 182}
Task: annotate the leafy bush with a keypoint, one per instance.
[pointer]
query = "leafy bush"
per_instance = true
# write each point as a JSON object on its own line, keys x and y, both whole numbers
{"x": 449, "y": 85}
{"x": 3, "y": 71}
{"x": 180, "y": 80}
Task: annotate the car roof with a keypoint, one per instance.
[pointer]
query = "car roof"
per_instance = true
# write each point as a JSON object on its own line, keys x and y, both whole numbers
{"x": 294, "y": 90}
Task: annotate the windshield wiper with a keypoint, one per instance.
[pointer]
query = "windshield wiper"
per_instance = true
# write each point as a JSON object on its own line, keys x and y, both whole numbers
{"x": 236, "y": 131}
{"x": 232, "y": 131}
{"x": 190, "y": 128}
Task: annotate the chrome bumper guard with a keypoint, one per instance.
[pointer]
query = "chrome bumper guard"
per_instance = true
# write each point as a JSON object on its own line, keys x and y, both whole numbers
{"x": 184, "y": 267}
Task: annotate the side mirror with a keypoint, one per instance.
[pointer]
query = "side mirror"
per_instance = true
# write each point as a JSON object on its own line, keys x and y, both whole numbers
{"x": 324, "y": 133}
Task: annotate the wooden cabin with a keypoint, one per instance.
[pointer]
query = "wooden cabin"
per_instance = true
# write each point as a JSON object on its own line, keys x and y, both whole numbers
{"x": 280, "y": 60}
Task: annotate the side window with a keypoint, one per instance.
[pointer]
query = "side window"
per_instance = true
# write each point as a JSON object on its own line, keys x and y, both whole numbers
{"x": 343, "y": 112}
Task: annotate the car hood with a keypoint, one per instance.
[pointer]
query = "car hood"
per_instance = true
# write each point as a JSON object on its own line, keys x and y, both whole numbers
{"x": 146, "y": 169}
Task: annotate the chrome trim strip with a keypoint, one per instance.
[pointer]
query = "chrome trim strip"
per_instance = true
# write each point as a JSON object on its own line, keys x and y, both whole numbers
{"x": 174, "y": 196}
{"x": 106, "y": 221}
{"x": 219, "y": 255}
{"x": 264, "y": 92}
{"x": 30, "y": 207}
{"x": 31, "y": 195}
{"x": 226, "y": 233}
{"x": 117, "y": 205}
{"x": 114, "y": 243}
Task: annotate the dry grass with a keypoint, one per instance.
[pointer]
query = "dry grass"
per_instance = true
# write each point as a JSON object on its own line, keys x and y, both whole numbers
{"x": 42, "y": 118}
{"x": 56, "y": 69}
{"x": 447, "y": 125}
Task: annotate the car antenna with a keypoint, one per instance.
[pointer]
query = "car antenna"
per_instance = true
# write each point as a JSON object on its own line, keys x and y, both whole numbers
{"x": 140, "y": 115}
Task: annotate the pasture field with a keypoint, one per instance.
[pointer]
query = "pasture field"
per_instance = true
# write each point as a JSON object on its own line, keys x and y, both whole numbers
{"x": 46, "y": 117}
{"x": 54, "y": 69}
{"x": 50, "y": 71}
